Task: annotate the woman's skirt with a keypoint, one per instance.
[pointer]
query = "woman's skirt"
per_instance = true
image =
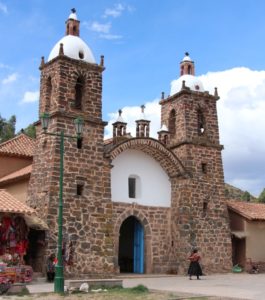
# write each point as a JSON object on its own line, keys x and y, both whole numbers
{"x": 194, "y": 269}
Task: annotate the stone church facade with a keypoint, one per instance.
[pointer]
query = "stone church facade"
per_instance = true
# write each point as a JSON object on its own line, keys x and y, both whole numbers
{"x": 155, "y": 223}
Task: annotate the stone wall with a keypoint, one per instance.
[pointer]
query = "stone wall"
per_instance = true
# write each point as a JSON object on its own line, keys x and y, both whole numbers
{"x": 200, "y": 221}
{"x": 159, "y": 251}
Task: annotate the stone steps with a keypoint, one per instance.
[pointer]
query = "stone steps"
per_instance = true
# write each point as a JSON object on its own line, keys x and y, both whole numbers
{"x": 93, "y": 282}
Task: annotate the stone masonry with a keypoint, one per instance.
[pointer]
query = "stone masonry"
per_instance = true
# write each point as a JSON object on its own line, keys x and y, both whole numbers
{"x": 91, "y": 221}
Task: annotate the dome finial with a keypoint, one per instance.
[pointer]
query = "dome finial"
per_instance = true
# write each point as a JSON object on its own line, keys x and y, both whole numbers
{"x": 73, "y": 10}
{"x": 102, "y": 60}
{"x": 61, "y": 51}
{"x": 187, "y": 54}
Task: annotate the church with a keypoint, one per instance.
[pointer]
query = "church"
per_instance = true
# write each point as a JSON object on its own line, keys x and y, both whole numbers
{"x": 130, "y": 204}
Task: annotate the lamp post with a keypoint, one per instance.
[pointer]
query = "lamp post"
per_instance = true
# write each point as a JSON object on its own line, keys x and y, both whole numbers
{"x": 59, "y": 274}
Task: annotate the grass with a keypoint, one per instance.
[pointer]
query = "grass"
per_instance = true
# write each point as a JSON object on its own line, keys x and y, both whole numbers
{"x": 139, "y": 292}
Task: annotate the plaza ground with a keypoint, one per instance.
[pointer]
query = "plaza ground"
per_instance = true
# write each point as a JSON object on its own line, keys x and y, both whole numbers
{"x": 222, "y": 286}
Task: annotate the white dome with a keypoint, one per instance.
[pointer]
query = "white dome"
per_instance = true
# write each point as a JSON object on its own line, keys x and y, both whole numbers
{"x": 72, "y": 16}
{"x": 186, "y": 58}
{"x": 74, "y": 47}
{"x": 190, "y": 81}
{"x": 120, "y": 119}
{"x": 163, "y": 128}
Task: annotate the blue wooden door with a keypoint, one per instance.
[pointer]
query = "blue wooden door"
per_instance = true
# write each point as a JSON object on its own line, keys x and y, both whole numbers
{"x": 138, "y": 248}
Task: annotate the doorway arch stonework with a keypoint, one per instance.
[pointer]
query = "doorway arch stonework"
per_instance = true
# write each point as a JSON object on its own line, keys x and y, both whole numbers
{"x": 139, "y": 215}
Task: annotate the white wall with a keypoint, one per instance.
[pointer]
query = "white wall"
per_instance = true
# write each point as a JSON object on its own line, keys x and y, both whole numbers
{"x": 155, "y": 187}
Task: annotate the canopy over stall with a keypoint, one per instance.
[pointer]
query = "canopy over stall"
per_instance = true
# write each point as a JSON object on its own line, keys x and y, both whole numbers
{"x": 9, "y": 204}
{"x": 18, "y": 222}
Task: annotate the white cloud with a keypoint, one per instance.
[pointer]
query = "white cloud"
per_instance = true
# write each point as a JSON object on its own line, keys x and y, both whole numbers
{"x": 241, "y": 114}
{"x": 3, "y": 8}
{"x": 3, "y": 66}
{"x": 30, "y": 97}
{"x": 100, "y": 27}
{"x": 114, "y": 12}
{"x": 103, "y": 30}
{"x": 10, "y": 78}
{"x": 241, "y": 120}
{"x": 111, "y": 36}
{"x": 132, "y": 113}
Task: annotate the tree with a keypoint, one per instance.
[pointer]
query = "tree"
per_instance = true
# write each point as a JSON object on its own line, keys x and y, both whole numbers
{"x": 7, "y": 128}
{"x": 262, "y": 196}
{"x": 246, "y": 196}
{"x": 30, "y": 131}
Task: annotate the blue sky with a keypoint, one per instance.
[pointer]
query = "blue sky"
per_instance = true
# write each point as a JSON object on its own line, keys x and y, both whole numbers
{"x": 143, "y": 43}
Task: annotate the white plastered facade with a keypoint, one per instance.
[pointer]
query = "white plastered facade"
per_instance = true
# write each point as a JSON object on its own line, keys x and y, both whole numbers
{"x": 153, "y": 187}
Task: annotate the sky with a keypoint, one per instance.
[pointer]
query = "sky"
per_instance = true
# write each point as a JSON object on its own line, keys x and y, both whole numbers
{"x": 143, "y": 43}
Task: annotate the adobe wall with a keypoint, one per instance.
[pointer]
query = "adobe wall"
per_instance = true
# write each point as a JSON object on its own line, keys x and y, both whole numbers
{"x": 10, "y": 164}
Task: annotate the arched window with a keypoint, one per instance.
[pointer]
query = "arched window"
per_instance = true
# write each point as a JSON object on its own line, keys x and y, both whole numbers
{"x": 79, "y": 88}
{"x": 182, "y": 71}
{"x": 48, "y": 94}
{"x": 165, "y": 140}
{"x": 201, "y": 123}
{"x": 189, "y": 69}
{"x": 172, "y": 122}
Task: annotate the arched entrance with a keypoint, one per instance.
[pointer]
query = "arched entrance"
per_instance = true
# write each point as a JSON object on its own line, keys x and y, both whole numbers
{"x": 131, "y": 246}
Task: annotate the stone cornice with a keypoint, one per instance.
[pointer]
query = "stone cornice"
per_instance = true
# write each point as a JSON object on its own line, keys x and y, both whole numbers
{"x": 187, "y": 91}
{"x": 62, "y": 58}
{"x": 71, "y": 115}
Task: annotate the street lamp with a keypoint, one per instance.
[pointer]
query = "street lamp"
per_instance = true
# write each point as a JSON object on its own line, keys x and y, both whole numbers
{"x": 79, "y": 122}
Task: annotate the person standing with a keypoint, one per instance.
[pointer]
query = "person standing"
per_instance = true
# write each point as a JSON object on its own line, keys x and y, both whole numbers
{"x": 194, "y": 267}
{"x": 51, "y": 268}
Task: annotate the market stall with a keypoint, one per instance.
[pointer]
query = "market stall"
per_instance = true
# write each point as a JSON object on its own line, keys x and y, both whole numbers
{"x": 16, "y": 218}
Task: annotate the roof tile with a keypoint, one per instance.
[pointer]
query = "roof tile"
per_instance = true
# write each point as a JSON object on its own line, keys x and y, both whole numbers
{"x": 9, "y": 203}
{"x": 21, "y": 145}
{"x": 249, "y": 210}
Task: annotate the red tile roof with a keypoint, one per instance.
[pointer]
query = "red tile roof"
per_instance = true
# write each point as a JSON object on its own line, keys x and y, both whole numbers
{"x": 17, "y": 175}
{"x": 10, "y": 204}
{"x": 249, "y": 210}
{"x": 21, "y": 145}
{"x": 108, "y": 141}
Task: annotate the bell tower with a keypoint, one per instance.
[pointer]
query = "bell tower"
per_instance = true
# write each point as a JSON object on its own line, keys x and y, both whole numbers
{"x": 71, "y": 87}
{"x": 190, "y": 114}
{"x": 187, "y": 66}
{"x": 72, "y": 24}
